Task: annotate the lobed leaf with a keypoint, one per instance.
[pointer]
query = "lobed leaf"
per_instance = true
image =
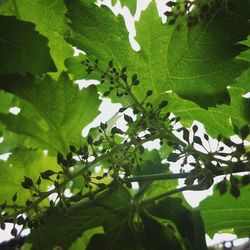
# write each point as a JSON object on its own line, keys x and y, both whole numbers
{"x": 179, "y": 59}
{"x": 53, "y": 113}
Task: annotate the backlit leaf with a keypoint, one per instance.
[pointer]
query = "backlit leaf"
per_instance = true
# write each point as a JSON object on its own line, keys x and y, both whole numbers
{"x": 225, "y": 212}
{"x": 23, "y": 162}
{"x": 54, "y": 112}
{"x": 19, "y": 42}
{"x": 50, "y": 22}
{"x": 171, "y": 58}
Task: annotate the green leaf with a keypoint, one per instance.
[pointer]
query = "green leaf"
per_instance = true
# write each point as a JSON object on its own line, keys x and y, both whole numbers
{"x": 11, "y": 141}
{"x": 193, "y": 232}
{"x": 119, "y": 235}
{"x": 239, "y": 106}
{"x": 165, "y": 150}
{"x": 62, "y": 229}
{"x": 77, "y": 70}
{"x": 50, "y": 22}
{"x": 130, "y": 4}
{"x": 23, "y": 162}
{"x": 245, "y": 55}
{"x": 243, "y": 80}
{"x": 90, "y": 32}
{"x": 158, "y": 235}
{"x": 151, "y": 164}
{"x": 182, "y": 59}
{"x": 19, "y": 42}
{"x": 54, "y": 112}
{"x": 6, "y": 101}
{"x": 171, "y": 57}
{"x": 226, "y": 212}
{"x": 215, "y": 121}
{"x": 83, "y": 241}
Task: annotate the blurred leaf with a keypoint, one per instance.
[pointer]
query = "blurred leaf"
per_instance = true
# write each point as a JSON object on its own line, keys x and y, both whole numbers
{"x": 165, "y": 150}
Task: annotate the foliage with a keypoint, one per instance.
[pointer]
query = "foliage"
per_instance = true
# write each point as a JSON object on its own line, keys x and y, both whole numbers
{"x": 195, "y": 67}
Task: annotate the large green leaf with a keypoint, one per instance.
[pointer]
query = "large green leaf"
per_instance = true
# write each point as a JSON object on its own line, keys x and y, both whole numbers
{"x": 82, "y": 242}
{"x": 158, "y": 235}
{"x": 226, "y": 212}
{"x": 19, "y": 43}
{"x": 182, "y": 58}
{"x": 171, "y": 57}
{"x": 49, "y": 20}
{"x": 193, "y": 232}
{"x": 54, "y": 112}
{"x": 99, "y": 33}
{"x": 62, "y": 229}
{"x": 23, "y": 162}
{"x": 217, "y": 120}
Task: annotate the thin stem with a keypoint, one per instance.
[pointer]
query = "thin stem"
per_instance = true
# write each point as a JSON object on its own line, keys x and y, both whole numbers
{"x": 157, "y": 177}
{"x": 44, "y": 195}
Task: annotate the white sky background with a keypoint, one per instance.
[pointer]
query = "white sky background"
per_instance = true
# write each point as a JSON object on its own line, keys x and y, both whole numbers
{"x": 109, "y": 109}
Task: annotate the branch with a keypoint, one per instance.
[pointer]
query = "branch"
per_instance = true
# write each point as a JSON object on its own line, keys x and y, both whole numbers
{"x": 44, "y": 195}
{"x": 157, "y": 177}
{"x": 149, "y": 202}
